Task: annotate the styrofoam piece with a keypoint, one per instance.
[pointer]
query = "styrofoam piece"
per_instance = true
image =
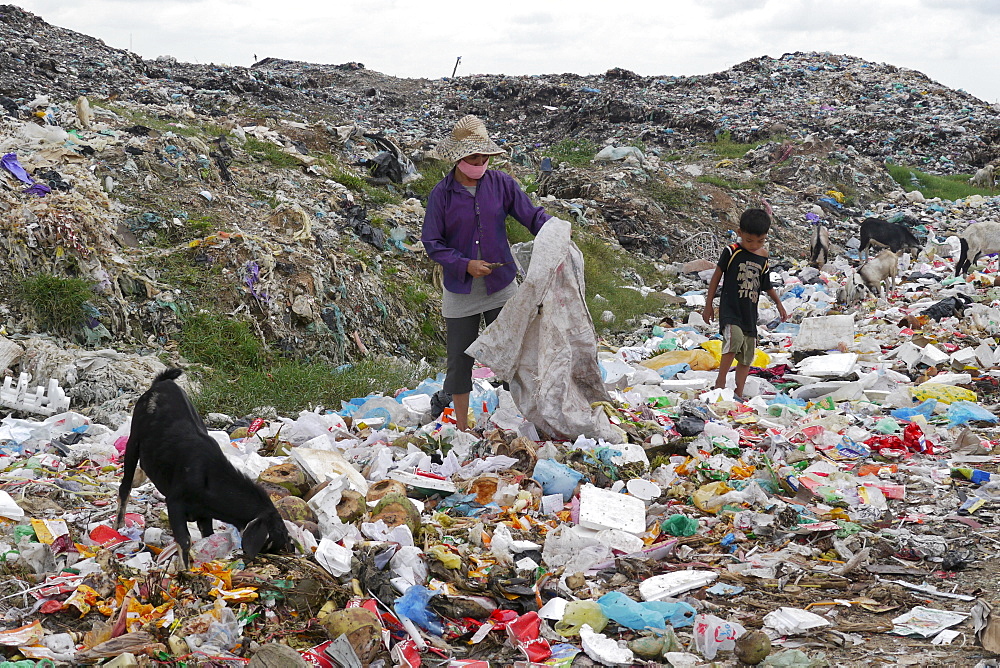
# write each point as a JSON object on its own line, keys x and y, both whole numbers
{"x": 552, "y": 503}
{"x": 985, "y": 355}
{"x": 603, "y": 509}
{"x": 824, "y": 388}
{"x": 836, "y": 365}
{"x": 647, "y": 490}
{"x": 965, "y": 356}
{"x": 793, "y": 621}
{"x": 424, "y": 482}
{"x": 603, "y": 649}
{"x": 824, "y": 332}
{"x": 554, "y": 610}
{"x": 678, "y": 384}
{"x": 620, "y": 540}
{"x": 908, "y": 352}
{"x": 41, "y": 400}
{"x": 318, "y": 464}
{"x": 668, "y": 585}
{"x": 953, "y": 378}
{"x": 931, "y": 355}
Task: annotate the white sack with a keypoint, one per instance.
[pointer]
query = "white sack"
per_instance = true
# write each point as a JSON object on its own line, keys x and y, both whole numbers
{"x": 544, "y": 343}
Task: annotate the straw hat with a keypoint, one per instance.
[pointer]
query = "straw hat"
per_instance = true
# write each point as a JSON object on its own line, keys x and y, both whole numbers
{"x": 468, "y": 137}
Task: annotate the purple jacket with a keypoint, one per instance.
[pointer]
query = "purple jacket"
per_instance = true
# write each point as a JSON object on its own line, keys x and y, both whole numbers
{"x": 456, "y": 222}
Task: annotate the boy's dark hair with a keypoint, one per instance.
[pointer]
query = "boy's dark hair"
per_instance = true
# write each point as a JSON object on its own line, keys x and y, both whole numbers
{"x": 755, "y": 221}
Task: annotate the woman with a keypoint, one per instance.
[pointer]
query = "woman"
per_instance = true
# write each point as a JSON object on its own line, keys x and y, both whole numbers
{"x": 465, "y": 232}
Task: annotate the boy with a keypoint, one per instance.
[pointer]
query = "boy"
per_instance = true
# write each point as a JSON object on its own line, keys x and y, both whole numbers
{"x": 747, "y": 274}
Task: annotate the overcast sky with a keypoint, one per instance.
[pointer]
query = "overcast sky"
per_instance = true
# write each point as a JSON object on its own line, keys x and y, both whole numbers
{"x": 956, "y": 42}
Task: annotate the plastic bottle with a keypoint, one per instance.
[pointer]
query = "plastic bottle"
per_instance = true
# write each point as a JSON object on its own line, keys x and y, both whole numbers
{"x": 579, "y": 613}
{"x": 483, "y": 401}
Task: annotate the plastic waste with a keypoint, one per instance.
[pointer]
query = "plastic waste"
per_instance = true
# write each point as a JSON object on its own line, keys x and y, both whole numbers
{"x": 760, "y": 359}
{"x": 579, "y": 613}
{"x": 483, "y": 401}
{"x": 713, "y": 634}
{"x": 963, "y": 412}
{"x": 603, "y": 649}
{"x": 944, "y": 393}
{"x": 680, "y": 525}
{"x": 217, "y": 546}
{"x": 649, "y": 615}
{"x": 556, "y": 478}
{"x": 925, "y": 408}
{"x": 793, "y": 658}
{"x": 414, "y": 606}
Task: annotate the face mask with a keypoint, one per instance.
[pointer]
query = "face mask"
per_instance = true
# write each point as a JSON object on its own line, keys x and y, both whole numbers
{"x": 472, "y": 171}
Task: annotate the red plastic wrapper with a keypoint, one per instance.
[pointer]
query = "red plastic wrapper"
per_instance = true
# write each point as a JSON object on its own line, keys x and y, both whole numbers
{"x": 406, "y": 655}
{"x": 316, "y": 656}
{"x": 255, "y": 426}
{"x": 525, "y": 632}
{"x": 105, "y": 536}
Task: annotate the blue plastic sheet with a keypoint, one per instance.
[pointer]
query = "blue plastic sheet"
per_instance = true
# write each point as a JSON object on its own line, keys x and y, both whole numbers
{"x": 963, "y": 412}
{"x": 671, "y": 370}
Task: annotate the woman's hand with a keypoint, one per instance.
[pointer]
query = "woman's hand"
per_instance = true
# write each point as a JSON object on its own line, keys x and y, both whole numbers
{"x": 479, "y": 268}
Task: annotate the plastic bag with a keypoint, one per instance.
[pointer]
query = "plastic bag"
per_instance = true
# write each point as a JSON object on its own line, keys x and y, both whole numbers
{"x": 680, "y": 525}
{"x": 760, "y": 359}
{"x": 946, "y": 394}
{"x": 963, "y": 412}
{"x": 556, "y": 478}
{"x": 713, "y": 634}
{"x": 698, "y": 360}
{"x": 414, "y": 606}
{"x": 579, "y": 613}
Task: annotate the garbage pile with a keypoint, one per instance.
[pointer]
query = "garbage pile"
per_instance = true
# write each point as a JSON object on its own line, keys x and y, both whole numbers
{"x": 843, "y": 514}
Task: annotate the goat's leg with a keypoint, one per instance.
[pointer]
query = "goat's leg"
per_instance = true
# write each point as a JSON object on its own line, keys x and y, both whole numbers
{"x": 178, "y": 524}
{"x": 205, "y": 527}
{"x": 125, "y": 488}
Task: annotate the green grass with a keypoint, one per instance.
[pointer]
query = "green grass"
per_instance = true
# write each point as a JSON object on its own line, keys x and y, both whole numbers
{"x": 431, "y": 172}
{"x": 240, "y": 373}
{"x": 949, "y": 187}
{"x": 358, "y": 184}
{"x": 57, "y": 302}
{"x": 603, "y": 264}
{"x": 293, "y": 385}
{"x": 269, "y": 152}
{"x": 221, "y": 342}
{"x": 199, "y": 283}
{"x": 516, "y": 232}
{"x": 672, "y": 197}
{"x": 577, "y": 152}
{"x": 725, "y": 147}
{"x": 753, "y": 184}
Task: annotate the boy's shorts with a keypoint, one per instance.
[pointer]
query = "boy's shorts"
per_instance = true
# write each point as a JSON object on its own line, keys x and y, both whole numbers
{"x": 735, "y": 341}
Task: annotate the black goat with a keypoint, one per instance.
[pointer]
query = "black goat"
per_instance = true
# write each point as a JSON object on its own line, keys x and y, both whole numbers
{"x": 171, "y": 443}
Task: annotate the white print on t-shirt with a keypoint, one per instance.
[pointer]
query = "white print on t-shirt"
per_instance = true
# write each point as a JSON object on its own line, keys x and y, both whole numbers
{"x": 748, "y": 280}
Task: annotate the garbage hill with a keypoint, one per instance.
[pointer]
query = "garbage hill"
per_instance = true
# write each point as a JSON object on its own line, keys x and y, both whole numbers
{"x": 288, "y": 196}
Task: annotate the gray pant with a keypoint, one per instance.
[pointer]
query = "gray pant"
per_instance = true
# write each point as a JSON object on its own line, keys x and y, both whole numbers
{"x": 461, "y": 333}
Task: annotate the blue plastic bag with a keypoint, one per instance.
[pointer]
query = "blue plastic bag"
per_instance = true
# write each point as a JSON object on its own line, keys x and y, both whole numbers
{"x": 963, "y": 412}
{"x": 414, "y": 605}
{"x": 671, "y": 370}
{"x": 925, "y": 408}
{"x": 556, "y": 478}
{"x": 650, "y": 614}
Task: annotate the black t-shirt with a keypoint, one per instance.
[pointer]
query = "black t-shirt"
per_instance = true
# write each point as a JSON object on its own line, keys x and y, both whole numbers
{"x": 744, "y": 276}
